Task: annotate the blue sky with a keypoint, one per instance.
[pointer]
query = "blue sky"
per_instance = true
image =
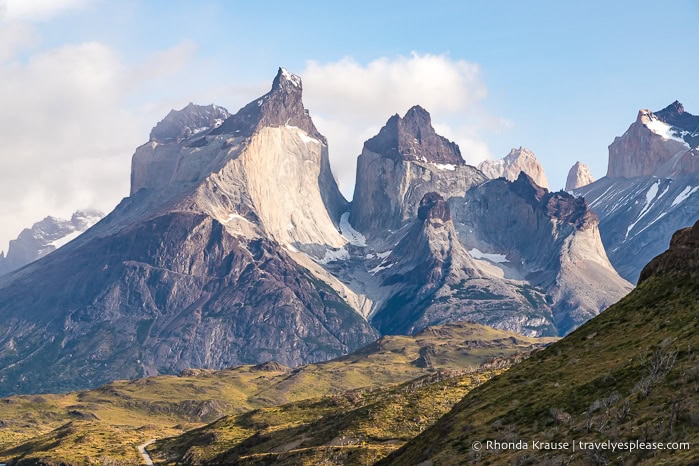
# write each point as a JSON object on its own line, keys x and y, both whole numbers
{"x": 86, "y": 80}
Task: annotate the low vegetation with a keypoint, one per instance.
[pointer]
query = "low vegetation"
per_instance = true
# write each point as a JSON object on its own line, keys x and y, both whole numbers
{"x": 105, "y": 425}
{"x": 631, "y": 374}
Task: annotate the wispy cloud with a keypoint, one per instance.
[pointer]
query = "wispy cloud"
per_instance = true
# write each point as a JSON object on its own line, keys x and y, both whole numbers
{"x": 68, "y": 130}
{"x": 40, "y": 10}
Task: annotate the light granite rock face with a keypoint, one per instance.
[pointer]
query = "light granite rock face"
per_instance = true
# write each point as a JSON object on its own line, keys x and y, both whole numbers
{"x": 45, "y": 237}
{"x": 518, "y": 161}
{"x": 578, "y": 176}
{"x": 401, "y": 164}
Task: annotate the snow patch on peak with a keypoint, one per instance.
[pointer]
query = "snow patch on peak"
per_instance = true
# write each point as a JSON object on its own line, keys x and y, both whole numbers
{"x": 662, "y": 129}
{"x": 303, "y": 135}
{"x": 292, "y": 78}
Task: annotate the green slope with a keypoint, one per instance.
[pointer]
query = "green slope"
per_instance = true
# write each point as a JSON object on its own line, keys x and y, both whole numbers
{"x": 106, "y": 424}
{"x": 630, "y": 374}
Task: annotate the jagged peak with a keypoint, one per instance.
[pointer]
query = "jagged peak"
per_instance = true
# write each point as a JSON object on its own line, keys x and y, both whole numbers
{"x": 286, "y": 81}
{"x": 281, "y": 106}
{"x": 557, "y": 205}
{"x": 412, "y": 138}
{"x": 675, "y": 107}
{"x": 518, "y": 160}
{"x": 521, "y": 152}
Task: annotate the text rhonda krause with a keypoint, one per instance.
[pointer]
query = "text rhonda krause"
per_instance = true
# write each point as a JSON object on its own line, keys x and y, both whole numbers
{"x": 585, "y": 445}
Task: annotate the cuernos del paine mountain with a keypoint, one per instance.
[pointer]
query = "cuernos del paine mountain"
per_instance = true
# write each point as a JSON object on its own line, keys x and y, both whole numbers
{"x": 650, "y": 190}
{"x": 236, "y": 246}
{"x": 194, "y": 268}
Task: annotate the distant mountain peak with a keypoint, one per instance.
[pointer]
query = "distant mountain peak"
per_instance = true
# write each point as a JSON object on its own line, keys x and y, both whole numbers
{"x": 518, "y": 160}
{"x": 412, "y": 138}
{"x": 578, "y": 176}
{"x": 663, "y": 143}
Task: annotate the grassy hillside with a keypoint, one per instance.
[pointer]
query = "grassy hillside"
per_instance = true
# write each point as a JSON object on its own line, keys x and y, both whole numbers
{"x": 106, "y": 424}
{"x": 630, "y": 374}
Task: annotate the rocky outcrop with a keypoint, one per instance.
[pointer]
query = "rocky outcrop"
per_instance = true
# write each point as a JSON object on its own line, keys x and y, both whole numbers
{"x": 664, "y": 144}
{"x": 680, "y": 260}
{"x": 44, "y": 237}
{"x": 518, "y": 161}
{"x": 578, "y": 176}
{"x": 401, "y": 164}
{"x": 163, "y": 295}
{"x": 188, "y": 122}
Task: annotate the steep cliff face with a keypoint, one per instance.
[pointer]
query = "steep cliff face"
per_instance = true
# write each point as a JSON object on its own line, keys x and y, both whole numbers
{"x": 518, "y": 161}
{"x": 45, "y": 237}
{"x": 664, "y": 144}
{"x": 401, "y": 164}
{"x": 578, "y": 176}
{"x": 200, "y": 266}
{"x": 650, "y": 190}
{"x": 566, "y": 261}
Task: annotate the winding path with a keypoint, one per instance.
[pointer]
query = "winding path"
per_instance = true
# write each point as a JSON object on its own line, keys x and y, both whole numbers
{"x": 142, "y": 450}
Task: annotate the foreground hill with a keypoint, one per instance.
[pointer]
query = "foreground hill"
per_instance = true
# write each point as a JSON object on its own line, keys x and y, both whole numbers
{"x": 107, "y": 423}
{"x": 628, "y": 375}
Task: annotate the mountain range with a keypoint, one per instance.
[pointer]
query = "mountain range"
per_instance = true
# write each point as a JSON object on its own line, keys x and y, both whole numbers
{"x": 236, "y": 286}
{"x": 235, "y": 246}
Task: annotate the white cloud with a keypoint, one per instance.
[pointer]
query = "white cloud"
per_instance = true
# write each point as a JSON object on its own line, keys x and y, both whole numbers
{"x": 40, "y": 10}
{"x": 350, "y": 102}
{"x": 68, "y": 132}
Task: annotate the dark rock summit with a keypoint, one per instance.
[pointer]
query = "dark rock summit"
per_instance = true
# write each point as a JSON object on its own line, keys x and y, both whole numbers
{"x": 281, "y": 106}
{"x": 401, "y": 164}
{"x": 413, "y": 138}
